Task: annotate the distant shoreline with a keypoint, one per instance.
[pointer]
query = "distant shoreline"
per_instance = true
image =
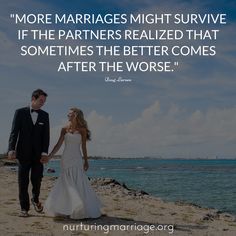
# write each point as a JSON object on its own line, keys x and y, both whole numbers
{"x": 3, "y": 156}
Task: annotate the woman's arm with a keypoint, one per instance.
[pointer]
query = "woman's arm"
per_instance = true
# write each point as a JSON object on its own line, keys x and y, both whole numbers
{"x": 84, "y": 148}
{"x": 59, "y": 143}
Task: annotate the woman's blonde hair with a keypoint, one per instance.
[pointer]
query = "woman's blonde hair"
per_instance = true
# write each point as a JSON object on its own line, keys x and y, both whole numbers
{"x": 80, "y": 121}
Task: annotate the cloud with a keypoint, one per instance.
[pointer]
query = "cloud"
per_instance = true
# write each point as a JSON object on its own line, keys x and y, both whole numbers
{"x": 168, "y": 133}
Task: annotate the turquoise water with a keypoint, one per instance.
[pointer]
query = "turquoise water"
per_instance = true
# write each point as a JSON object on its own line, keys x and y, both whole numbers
{"x": 208, "y": 183}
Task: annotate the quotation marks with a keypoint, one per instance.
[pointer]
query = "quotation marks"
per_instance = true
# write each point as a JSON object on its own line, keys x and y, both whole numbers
{"x": 176, "y": 63}
{"x": 153, "y": 58}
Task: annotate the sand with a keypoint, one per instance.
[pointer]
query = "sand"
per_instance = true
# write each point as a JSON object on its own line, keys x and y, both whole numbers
{"x": 123, "y": 208}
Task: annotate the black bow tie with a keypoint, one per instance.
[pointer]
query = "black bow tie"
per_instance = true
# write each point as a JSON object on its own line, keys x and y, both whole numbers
{"x": 32, "y": 110}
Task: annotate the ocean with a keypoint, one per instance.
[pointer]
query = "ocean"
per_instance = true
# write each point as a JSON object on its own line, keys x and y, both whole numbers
{"x": 207, "y": 183}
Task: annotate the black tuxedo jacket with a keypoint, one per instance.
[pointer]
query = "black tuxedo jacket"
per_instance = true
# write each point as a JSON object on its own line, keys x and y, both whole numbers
{"x": 27, "y": 139}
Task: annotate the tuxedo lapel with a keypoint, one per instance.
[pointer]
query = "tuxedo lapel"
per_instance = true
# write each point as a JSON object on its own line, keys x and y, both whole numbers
{"x": 38, "y": 118}
{"x": 28, "y": 115}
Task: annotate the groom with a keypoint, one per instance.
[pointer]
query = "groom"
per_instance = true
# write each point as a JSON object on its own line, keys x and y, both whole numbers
{"x": 28, "y": 142}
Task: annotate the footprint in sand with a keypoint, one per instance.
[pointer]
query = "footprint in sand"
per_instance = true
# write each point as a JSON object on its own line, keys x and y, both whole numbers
{"x": 13, "y": 214}
{"x": 37, "y": 224}
{"x": 9, "y": 202}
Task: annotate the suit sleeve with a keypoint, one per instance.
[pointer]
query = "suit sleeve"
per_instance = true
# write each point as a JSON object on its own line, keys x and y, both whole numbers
{"x": 46, "y": 135}
{"x": 14, "y": 131}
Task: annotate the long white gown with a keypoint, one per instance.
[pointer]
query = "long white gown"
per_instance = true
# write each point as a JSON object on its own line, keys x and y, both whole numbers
{"x": 72, "y": 194}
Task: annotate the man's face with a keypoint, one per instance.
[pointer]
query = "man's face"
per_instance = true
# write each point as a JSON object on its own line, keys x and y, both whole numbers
{"x": 39, "y": 102}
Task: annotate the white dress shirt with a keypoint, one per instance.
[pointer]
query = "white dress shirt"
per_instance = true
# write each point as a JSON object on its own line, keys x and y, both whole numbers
{"x": 34, "y": 116}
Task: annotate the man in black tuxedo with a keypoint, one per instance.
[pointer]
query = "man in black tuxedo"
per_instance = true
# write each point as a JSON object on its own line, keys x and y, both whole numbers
{"x": 28, "y": 142}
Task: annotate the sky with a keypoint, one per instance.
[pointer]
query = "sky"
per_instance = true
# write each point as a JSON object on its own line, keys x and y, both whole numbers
{"x": 188, "y": 113}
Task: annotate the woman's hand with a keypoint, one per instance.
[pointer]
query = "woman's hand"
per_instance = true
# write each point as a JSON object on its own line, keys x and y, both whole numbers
{"x": 86, "y": 165}
{"x": 44, "y": 159}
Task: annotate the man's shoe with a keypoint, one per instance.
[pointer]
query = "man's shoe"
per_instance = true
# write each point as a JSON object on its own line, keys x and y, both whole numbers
{"x": 37, "y": 206}
{"x": 24, "y": 213}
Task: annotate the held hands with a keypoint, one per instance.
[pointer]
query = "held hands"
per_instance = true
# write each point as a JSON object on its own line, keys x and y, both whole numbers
{"x": 11, "y": 155}
{"x": 44, "y": 159}
{"x": 86, "y": 165}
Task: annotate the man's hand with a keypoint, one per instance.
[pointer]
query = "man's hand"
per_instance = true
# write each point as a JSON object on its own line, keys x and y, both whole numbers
{"x": 44, "y": 159}
{"x": 11, "y": 155}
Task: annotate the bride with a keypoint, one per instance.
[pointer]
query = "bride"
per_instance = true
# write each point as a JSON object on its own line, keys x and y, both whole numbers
{"x": 72, "y": 194}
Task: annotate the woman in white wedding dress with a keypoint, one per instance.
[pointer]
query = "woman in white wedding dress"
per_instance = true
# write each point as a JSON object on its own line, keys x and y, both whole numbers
{"x": 72, "y": 194}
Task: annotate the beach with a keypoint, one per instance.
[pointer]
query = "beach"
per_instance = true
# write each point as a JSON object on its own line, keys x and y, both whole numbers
{"x": 132, "y": 212}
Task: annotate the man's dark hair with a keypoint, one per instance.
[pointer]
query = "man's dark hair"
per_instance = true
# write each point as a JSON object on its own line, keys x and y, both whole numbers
{"x": 38, "y": 92}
